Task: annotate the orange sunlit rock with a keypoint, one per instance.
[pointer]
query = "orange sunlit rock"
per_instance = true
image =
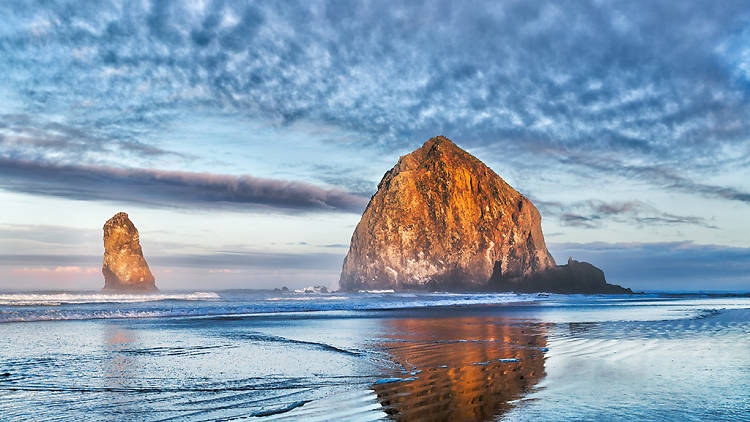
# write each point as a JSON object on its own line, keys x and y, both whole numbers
{"x": 443, "y": 219}
{"x": 124, "y": 267}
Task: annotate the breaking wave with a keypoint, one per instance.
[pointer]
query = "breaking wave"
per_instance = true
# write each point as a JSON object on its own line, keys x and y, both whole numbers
{"x": 53, "y": 306}
{"x": 57, "y": 299}
{"x": 378, "y": 291}
{"x": 277, "y": 299}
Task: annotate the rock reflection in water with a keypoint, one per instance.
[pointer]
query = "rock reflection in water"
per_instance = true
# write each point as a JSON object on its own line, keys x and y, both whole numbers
{"x": 460, "y": 368}
{"x": 119, "y": 372}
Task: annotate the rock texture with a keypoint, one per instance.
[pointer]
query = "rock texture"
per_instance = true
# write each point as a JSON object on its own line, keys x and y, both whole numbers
{"x": 442, "y": 220}
{"x": 124, "y": 267}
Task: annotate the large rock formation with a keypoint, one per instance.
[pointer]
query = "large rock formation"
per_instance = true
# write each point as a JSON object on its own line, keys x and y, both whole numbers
{"x": 124, "y": 267}
{"x": 442, "y": 220}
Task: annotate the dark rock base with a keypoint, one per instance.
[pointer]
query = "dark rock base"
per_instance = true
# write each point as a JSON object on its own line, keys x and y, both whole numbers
{"x": 573, "y": 278}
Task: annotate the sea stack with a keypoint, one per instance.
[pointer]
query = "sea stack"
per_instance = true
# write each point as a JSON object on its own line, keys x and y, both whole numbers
{"x": 442, "y": 220}
{"x": 124, "y": 267}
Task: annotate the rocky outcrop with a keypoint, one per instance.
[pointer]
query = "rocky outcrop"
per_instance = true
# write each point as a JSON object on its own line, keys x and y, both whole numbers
{"x": 124, "y": 267}
{"x": 573, "y": 277}
{"x": 442, "y": 220}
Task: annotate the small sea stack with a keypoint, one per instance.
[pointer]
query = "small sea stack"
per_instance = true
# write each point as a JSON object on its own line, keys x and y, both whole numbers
{"x": 442, "y": 220}
{"x": 124, "y": 267}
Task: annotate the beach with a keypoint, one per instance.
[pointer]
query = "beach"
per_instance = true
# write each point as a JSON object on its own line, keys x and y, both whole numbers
{"x": 257, "y": 355}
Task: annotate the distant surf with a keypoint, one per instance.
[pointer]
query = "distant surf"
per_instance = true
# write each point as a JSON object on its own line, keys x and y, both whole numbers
{"x": 378, "y": 291}
{"x": 57, "y": 299}
{"x": 45, "y": 306}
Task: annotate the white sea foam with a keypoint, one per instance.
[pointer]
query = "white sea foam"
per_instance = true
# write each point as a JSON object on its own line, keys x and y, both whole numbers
{"x": 56, "y": 299}
{"x": 313, "y": 289}
{"x": 378, "y": 291}
{"x": 117, "y": 314}
{"x": 35, "y": 306}
{"x": 307, "y": 298}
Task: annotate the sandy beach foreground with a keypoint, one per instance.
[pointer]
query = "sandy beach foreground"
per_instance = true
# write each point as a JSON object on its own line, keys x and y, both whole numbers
{"x": 335, "y": 357}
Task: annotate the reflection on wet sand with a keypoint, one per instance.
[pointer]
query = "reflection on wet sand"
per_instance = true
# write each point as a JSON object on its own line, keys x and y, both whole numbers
{"x": 461, "y": 369}
{"x": 117, "y": 370}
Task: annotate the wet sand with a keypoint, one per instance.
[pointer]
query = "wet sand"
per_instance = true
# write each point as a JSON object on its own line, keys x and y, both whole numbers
{"x": 563, "y": 359}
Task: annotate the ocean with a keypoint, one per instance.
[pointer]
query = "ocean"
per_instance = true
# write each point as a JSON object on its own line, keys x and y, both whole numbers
{"x": 265, "y": 355}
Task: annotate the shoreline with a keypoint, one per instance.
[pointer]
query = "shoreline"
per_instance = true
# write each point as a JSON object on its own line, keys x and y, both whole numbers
{"x": 510, "y": 361}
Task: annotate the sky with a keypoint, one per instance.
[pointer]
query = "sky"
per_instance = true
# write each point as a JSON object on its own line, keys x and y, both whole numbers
{"x": 244, "y": 139}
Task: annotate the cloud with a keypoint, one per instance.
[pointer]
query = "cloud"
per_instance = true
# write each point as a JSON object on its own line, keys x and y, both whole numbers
{"x": 160, "y": 188}
{"x": 637, "y": 77}
{"x": 46, "y": 234}
{"x": 347, "y": 178}
{"x": 24, "y": 136}
{"x": 59, "y": 269}
{"x": 222, "y": 271}
{"x": 231, "y": 260}
{"x": 655, "y": 91}
{"x": 661, "y": 176}
{"x": 596, "y": 213}
{"x": 219, "y": 270}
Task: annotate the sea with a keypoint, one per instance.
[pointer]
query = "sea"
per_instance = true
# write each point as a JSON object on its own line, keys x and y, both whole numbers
{"x": 270, "y": 355}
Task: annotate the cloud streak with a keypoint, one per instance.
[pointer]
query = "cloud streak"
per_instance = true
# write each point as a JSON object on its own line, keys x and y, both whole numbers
{"x": 661, "y": 176}
{"x": 24, "y": 136}
{"x": 160, "y": 188}
{"x": 596, "y": 213}
{"x": 226, "y": 259}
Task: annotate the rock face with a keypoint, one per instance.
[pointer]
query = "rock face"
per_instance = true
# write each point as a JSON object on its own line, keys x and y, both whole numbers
{"x": 124, "y": 267}
{"x": 442, "y": 220}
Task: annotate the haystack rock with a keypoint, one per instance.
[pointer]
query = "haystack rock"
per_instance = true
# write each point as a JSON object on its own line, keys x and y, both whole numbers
{"x": 442, "y": 220}
{"x": 124, "y": 267}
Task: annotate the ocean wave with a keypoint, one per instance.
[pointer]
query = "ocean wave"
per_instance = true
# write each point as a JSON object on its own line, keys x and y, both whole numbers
{"x": 57, "y": 299}
{"x": 306, "y": 298}
{"x": 116, "y": 314}
{"x": 19, "y": 307}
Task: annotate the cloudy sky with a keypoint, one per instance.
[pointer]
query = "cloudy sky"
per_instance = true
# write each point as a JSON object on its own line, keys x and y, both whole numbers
{"x": 245, "y": 138}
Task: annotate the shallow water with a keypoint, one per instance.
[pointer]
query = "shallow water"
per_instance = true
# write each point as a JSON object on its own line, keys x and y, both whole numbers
{"x": 267, "y": 355}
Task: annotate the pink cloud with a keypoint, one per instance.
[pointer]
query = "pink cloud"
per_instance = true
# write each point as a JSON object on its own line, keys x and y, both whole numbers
{"x": 223, "y": 270}
{"x": 58, "y": 269}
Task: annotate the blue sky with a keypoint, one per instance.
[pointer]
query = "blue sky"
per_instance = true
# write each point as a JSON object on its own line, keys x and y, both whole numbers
{"x": 245, "y": 138}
